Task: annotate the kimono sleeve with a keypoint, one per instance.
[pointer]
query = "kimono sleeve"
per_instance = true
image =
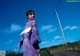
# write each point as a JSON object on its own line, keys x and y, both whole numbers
{"x": 35, "y": 30}
{"x": 20, "y": 42}
{"x": 24, "y": 35}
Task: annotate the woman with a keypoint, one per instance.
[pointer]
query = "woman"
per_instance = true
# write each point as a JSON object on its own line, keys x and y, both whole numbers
{"x": 30, "y": 39}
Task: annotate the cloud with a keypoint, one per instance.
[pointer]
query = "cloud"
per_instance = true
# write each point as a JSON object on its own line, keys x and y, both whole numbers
{"x": 53, "y": 40}
{"x": 57, "y": 37}
{"x": 51, "y": 30}
{"x": 48, "y": 28}
{"x": 13, "y": 28}
{"x": 16, "y": 50}
{"x": 44, "y": 42}
{"x": 8, "y": 42}
{"x": 71, "y": 28}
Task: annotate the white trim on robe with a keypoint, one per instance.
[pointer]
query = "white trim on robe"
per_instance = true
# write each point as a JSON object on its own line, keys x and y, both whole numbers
{"x": 26, "y": 30}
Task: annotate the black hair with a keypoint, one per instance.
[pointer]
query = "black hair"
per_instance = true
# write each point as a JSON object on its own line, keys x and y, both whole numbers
{"x": 29, "y": 12}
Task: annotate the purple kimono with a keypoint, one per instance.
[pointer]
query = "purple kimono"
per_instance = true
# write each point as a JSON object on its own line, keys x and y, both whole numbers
{"x": 29, "y": 39}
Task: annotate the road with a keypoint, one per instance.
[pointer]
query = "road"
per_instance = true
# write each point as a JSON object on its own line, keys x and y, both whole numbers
{"x": 67, "y": 53}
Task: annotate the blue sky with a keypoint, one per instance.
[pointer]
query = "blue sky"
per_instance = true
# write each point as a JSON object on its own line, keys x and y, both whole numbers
{"x": 13, "y": 20}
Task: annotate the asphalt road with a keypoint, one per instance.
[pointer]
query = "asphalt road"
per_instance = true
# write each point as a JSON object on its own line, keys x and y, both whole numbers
{"x": 67, "y": 53}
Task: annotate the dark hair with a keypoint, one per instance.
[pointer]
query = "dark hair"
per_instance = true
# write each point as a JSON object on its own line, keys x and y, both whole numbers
{"x": 29, "y": 12}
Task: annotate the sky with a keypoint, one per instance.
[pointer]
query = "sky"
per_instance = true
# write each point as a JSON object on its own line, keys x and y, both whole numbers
{"x": 13, "y": 20}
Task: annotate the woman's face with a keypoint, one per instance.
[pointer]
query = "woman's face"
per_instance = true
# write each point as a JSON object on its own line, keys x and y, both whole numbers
{"x": 31, "y": 16}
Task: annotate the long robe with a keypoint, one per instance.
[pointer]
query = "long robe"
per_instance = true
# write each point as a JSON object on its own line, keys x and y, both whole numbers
{"x": 29, "y": 38}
